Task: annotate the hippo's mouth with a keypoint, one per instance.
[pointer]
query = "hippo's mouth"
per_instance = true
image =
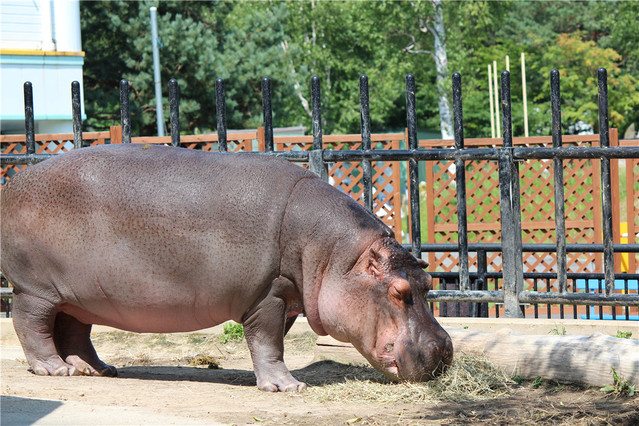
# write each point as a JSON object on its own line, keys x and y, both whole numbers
{"x": 390, "y": 367}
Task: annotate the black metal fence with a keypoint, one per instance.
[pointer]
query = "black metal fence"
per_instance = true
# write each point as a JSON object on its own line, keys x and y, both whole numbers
{"x": 469, "y": 287}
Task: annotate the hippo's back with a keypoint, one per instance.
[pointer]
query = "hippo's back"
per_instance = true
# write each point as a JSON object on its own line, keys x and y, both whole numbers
{"x": 147, "y": 227}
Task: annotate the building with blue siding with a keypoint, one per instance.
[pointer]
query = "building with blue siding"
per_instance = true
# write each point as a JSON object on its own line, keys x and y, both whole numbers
{"x": 40, "y": 42}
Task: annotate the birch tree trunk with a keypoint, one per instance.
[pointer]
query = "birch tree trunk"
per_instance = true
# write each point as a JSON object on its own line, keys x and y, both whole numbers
{"x": 441, "y": 65}
{"x": 438, "y": 53}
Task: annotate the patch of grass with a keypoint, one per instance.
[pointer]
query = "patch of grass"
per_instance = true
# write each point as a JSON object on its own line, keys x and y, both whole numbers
{"x": 559, "y": 330}
{"x": 233, "y": 332}
{"x": 624, "y": 334}
{"x": 537, "y": 382}
{"x": 161, "y": 340}
{"x": 195, "y": 339}
{"x": 469, "y": 378}
{"x": 619, "y": 386}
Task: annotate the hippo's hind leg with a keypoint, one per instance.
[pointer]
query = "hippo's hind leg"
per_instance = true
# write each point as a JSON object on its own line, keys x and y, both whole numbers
{"x": 33, "y": 319}
{"x": 73, "y": 341}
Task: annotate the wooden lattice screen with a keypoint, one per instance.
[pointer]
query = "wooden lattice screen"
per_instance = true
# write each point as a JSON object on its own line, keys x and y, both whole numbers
{"x": 346, "y": 176}
{"x": 631, "y": 233}
{"x": 582, "y": 204}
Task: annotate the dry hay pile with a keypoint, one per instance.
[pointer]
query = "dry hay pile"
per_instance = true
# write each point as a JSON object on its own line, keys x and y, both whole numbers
{"x": 469, "y": 378}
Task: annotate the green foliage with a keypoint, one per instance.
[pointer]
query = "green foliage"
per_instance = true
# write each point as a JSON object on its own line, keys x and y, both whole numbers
{"x": 559, "y": 330}
{"x": 537, "y": 382}
{"x": 619, "y": 386}
{"x": 233, "y": 332}
{"x": 624, "y": 334}
{"x": 290, "y": 41}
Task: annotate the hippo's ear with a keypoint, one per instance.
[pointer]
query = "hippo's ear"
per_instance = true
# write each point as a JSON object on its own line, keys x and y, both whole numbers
{"x": 421, "y": 263}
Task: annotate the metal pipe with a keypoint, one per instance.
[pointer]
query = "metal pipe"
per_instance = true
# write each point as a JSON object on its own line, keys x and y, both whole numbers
{"x": 157, "y": 78}
{"x": 413, "y": 170}
{"x": 267, "y": 110}
{"x": 365, "y": 119}
{"x": 316, "y": 101}
{"x": 76, "y": 109}
{"x": 125, "y": 111}
{"x": 174, "y": 117}
{"x": 29, "y": 122}
{"x": 220, "y": 97}
{"x": 558, "y": 169}
{"x": 606, "y": 185}
{"x": 316, "y": 156}
{"x": 460, "y": 180}
{"x": 510, "y": 211}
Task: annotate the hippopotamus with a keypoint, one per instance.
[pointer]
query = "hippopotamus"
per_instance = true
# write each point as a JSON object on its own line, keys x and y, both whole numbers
{"x": 165, "y": 239}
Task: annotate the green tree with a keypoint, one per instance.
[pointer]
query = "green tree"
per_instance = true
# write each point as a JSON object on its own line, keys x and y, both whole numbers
{"x": 290, "y": 41}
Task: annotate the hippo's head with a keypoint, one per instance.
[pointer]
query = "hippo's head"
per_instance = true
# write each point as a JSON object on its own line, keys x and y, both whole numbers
{"x": 380, "y": 307}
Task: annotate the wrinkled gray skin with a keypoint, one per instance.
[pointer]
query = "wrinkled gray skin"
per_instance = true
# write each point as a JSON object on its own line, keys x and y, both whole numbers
{"x": 161, "y": 239}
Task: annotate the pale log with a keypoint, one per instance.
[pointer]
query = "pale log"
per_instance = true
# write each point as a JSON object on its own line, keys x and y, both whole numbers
{"x": 564, "y": 358}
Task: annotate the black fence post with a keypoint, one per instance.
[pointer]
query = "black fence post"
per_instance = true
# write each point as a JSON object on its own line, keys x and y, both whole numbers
{"x": 367, "y": 175}
{"x": 606, "y": 185}
{"x": 316, "y": 155}
{"x": 76, "y": 111}
{"x": 29, "y": 122}
{"x": 510, "y": 210}
{"x": 125, "y": 111}
{"x": 267, "y": 109}
{"x": 413, "y": 171}
{"x": 482, "y": 279}
{"x": 558, "y": 169}
{"x": 460, "y": 180}
{"x": 220, "y": 97}
{"x": 174, "y": 117}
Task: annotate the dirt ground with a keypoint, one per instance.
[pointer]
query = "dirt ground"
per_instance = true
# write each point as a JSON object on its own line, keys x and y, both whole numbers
{"x": 160, "y": 382}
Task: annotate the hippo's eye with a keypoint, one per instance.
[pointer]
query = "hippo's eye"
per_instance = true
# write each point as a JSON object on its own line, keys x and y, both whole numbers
{"x": 400, "y": 291}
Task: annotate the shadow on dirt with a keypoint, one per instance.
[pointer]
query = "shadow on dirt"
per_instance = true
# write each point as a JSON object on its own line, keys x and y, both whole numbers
{"x": 25, "y": 411}
{"x": 316, "y": 374}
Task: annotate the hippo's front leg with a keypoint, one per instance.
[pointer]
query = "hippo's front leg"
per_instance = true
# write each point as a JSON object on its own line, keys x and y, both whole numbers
{"x": 264, "y": 329}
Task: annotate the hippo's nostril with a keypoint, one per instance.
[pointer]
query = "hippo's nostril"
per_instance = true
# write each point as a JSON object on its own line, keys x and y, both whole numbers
{"x": 389, "y": 347}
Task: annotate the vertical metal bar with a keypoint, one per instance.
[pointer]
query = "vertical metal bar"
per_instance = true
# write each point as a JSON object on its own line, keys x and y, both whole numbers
{"x": 482, "y": 281}
{"x": 174, "y": 117}
{"x": 367, "y": 175}
{"x": 510, "y": 210}
{"x": 536, "y": 305}
{"x": 76, "y": 109}
{"x": 220, "y": 97}
{"x": 267, "y": 109}
{"x": 606, "y": 186}
{"x": 157, "y": 79}
{"x": 558, "y": 169}
{"x": 29, "y": 122}
{"x": 316, "y": 160}
{"x": 413, "y": 170}
{"x": 316, "y": 101}
{"x": 125, "y": 111}
{"x": 460, "y": 180}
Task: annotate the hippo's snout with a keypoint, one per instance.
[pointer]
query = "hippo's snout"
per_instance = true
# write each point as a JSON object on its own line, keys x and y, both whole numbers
{"x": 422, "y": 361}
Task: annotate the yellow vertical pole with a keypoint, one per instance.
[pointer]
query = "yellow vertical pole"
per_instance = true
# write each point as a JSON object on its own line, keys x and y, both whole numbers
{"x": 497, "y": 125}
{"x": 523, "y": 85}
{"x": 490, "y": 97}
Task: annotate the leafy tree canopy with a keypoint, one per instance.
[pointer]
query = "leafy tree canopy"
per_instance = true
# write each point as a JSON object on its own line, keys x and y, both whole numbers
{"x": 290, "y": 41}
